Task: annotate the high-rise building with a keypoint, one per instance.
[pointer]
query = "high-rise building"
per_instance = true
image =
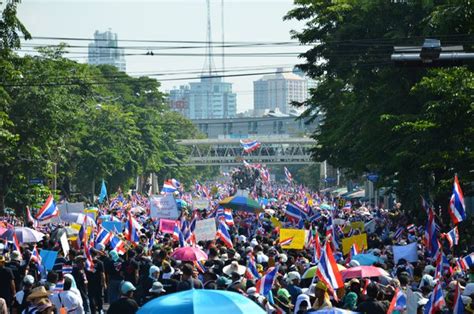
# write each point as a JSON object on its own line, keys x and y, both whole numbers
{"x": 105, "y": 50}
{"x": 210, "y": 98}
{"x": 277, "y": 91}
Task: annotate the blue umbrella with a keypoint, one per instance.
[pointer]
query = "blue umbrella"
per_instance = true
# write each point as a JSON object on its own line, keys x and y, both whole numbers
{"x": 198, "y": 301}
{"x": 366, "y": 259}
{"x": 333, "y": 310}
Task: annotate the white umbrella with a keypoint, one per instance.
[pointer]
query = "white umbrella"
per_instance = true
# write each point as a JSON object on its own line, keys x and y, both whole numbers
{"x": 78, "y": 218}
{"x": 24, "y": 235}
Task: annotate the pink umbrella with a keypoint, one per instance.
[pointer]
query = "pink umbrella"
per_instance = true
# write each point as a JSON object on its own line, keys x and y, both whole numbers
{"x": 189, "y": 254}
{"x": 363, "y": 272}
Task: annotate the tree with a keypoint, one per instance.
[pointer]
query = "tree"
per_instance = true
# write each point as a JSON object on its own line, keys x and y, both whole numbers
{"x": 379, "y": 118}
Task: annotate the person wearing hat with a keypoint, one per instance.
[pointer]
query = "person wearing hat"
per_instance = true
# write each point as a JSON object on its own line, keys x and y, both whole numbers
{"x": 126, "y": 304}
{"x": 79, "y": 274}
{"x": 113, "y": 266}
{"x": 19, "y": 303}
{"x": 68, "y": 299}
{"x": 283, "y": 300}
{"x": 15, "y": 266}
{"x": 234, "y": 267}
{"x": 38, "y": 301}
{"x": 293, "y": 280}
{"x": 155, "y": 291}
{"x": 322, "y": 297}
{"x": 7, "y": 288}
{"x": 95, "y": 283}
{"x": 147, "y": 283}
{"x": 169, "y": 282}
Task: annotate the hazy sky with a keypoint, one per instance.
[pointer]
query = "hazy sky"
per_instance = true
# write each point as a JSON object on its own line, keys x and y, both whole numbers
{"x": 245, "y": 20}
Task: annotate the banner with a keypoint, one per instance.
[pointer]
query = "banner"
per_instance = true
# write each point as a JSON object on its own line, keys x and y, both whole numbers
{"x": 64, "y": 244}
{"x": 205, "y": 229}
{"x": 360, "y": 240}
{"x": 359, "y": 225}
{"x": 293, "y": 238}
{"x": 113, "y": 226}
{"x": 201, "y": 203}
{"x": 163, "y": 206}
{"x": 408, "y": 252}
{"x": 167, "y": 225}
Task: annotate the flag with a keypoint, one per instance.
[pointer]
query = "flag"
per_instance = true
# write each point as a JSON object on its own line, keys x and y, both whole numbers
{"x": 411, "y": 228}
{"x": 175, "y": 183}
{"x": 103, "y": 237}
{"x": 16, "y": 243}
{"x": 151, "y": 242}
{"x": 229, "y": 220}
{"x": 49, "y": 210}
{"x": 457, "y": 208}
{"x": 354, "y": 251}
{"x": 178, "y": 235}
{"x": 452, "y": 237}
{"x": 252, "y": 272}
{"x": 88, "y": 256}
{"x": 317, "y": 249}
{"x": 132, "y": 230}
{"x": 35, "y": 256}
{"x": 327, "y": 270}
{"x": 294, "y": 212}
{"x": 67, "y": 269}
{"x": 117, "y": 245}
{"x": 103, "y": 193}
{"x": 286, "y": 242}
{"x": 398, "y": 233}
{"x": 168, "y": 187}
{"x": 223, "y": 235}
{"x": 458, "y": 305}
{"x": 399, "y": 302}
{"x": 249, "y": 145}
{"x": 81, "y": 236}
{"x": 436, "y": 301}
{"x": 347, "y": 206}
{"x": 30, "y": 218}
{"x": 200, "y": 266}
{"x": 289, "y": 177}
{"x": 265, "y": 284}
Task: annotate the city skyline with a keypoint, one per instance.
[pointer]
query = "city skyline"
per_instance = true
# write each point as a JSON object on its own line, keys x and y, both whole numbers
{"x": 156, "y": 20}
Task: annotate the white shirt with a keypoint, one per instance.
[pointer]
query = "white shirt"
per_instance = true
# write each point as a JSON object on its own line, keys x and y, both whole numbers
{"x": 71, "y": 300}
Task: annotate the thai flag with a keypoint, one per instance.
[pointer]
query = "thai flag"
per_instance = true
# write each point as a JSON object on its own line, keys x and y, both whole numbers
{"x": 89, "y": 260}
{"x": 35, "y": 256}
{"x": 49, "y": 210}
{"x": 66, "y": 269}
{"x": 458, "y": 305}
{"x": 265, "y": 284}
{"x": 252, "y": 272}
{"x": 289, "y": 177}
{"x": 265, "y": 175}
{"x": 117, "y": 245}
{"x": 411, "y": 228}
{"x": 398, "y": 233}
{"x": 81, "y": 236}
{"x": 431, "y": 233}
{"x": 249, "y": 145}
{"x": 192, "y": 225}
{"x": 457, "y": 208}
{"x": 286, "y": 242}
{"x": 197, "y": 187}
{"x": 452, "y": 237}
{"x": 103, "y": 237}
{"x": 399, "y": 302}
{"x": 425, "y": 205}
{"x": 294, "y": 212}
{"x": 168, "y": 187}
{"x": 347, "y": 206}
{"x": 151, "y": 242}
{"x": 354, "y": 251}
{"x": 317, "y": 249}
{"x": 468, "y": 261}
{"x": 178, "y": 236}
{"x": 200, "y": 266}
{"x": 436, "y": 301}
{"x": 223, "y": 235}
{"x": 175, "y": 183}
{"x": 327, "y": 270}
{"x": 132, "y": 228}
{"x": 16, "y": 243}
{"x": 331, "y": 233}
{"x": 229, "y": 220}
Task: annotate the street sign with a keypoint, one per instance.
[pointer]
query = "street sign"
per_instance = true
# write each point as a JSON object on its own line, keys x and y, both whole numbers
{"x": 36, "y": 181}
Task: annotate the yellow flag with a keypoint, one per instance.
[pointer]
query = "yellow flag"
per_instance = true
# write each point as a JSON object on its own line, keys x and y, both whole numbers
{"x": 292, "y": 239}
{"x": 360, "y": 240}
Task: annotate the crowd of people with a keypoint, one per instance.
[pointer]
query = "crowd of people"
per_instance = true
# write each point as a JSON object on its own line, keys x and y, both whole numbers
{"x": 121, "y": 275}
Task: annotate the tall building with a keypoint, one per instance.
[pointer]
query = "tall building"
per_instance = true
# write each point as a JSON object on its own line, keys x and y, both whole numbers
{"x": 277, "y": 91}
{"x": 104, "y": 50}
{"x": 210, "y": 98}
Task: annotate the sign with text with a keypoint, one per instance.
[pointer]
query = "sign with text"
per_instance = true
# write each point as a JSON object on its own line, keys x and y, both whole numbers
{"x": 163, "y": 206}
{"x": 201, "y": 203}
{"x": 205, "y": 229}
{"x": 360, "y": 240}
{"x": 407, "y": 252}
{"x": 167, "y": 225}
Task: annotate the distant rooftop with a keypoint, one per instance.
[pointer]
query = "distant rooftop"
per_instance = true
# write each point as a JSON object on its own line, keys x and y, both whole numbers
{"x": 279, "y": 74}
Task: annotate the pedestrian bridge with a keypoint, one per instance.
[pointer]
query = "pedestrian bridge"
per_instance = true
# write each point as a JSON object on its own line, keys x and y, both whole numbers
{"x": 229, "y": 152}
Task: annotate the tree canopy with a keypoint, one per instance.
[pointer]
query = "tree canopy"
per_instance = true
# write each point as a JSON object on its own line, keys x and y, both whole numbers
{"x": 412, "y": 126}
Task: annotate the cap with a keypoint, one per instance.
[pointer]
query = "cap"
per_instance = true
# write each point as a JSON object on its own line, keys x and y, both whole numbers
{"x": 157, "y": 287}
{"x": 293, "y": 275}
{"x": 320, "y": 285}
{"x": 283, "y": 292}
{"x": 126, "y": 287}
{"x": 29, "y": 280}
{"x": 114, "y": 255}
{"x": 16, "y": 256}
{"x": 252, "y": 291}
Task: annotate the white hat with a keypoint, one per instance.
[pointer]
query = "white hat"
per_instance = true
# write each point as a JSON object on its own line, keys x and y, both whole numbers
{"x": 293, "y": 275}
{"x": 29, "y": 280}
{"x": 16, "y": 256}
{"x": 242, "y": 238}
{"x": 234, "y": 267}
{"x": 354, "y": 263}
{"x": 253, "y": 291}
{"x": 283, "y": 258}
{"x": 157, "y": 288}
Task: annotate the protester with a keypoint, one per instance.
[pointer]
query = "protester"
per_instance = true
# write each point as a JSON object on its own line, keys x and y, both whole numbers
{"x": 126, "y": 304}
{"x": 7, "y": 280}
{"x": 68, "y": 299}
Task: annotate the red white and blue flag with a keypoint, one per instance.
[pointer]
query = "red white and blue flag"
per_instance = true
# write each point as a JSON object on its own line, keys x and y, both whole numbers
{"x": 265, "y": 284}
{"x": 175, "y": 183}
{"x": 286, "y": 242}
{"x": 88, "y": 256}
{"x": 117, "y": 245}
{"x": 49, "y": 210}
{"x": 294, "y": 212}
{"x": 327, "y": 270}
{"x": 411, "y": 228}
{"x": 200, "y": 266}
{"x": 168, "y": 187}
{"x": 178, "y": 235}
{"x": 457, "y": 208}
{"x": 35, "y": 256}
{"x": 458, "y": 304}
{"x": 223, "y": 235}
{"x": 468, "y": 261}
{"x": 289, "y": 177}
{"x": 133, "y": 227}
{"x": 16, "y": 243}
{"x": 252, "y": 272}
{"x": 354, "y": 251}
{"x": 103, "y": 237}
{"x": 399, "y": 302}
{"x": 249, "y": 145}
{"x": 452, "y": 237}
{"x": 436, "y": 301}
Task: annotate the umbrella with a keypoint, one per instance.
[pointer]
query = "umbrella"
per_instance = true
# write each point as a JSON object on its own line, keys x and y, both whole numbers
{"x": 363, "y": 271}
{"x": 333, "y": 310}
{"x": 78, "y": 218}
{"x": 189, "y": 254}
{"x": 367, "y": 259}
{"x": 23, "y": 234}
{"x": 198, "y": 301}
{"x": 241, "y": 203}
{"x": 70, "y": 232}
{"x": 309, "y": 273}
